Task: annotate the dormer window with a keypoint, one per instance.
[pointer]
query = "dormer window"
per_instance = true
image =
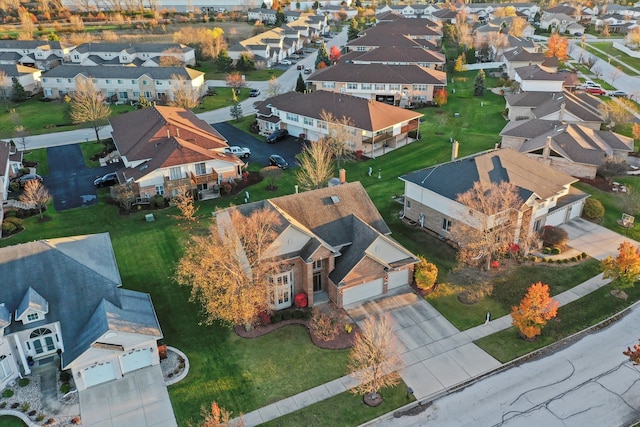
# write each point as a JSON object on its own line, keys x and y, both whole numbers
{"x": 32, "y": 317}
{"x": 32, "y": 308}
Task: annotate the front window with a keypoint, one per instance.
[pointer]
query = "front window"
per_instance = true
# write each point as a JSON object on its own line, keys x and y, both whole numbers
{"x": 379, "y": 86}
{"x": 321, "y": 124}
{"x": 175, "y": 173}
{"x": 201, "y": 169}
{"x": 420, "y": 87}
{"x": 160, "y": 190}
{"x": 32, "y": 317}
{"x": 328, "y": 85}
{"x": 446, "y": 224}
{"x": 281, "y": 290}
{"x": 308, "y": 121}
{"x": 352, "y": 86}
{"x": 366, "y": 86}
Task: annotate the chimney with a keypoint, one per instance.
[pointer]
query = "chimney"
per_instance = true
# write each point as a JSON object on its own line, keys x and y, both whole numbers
{"x": 343, "y": 176}
{"x": 454, "y": 150}
{"x": 561, "y": 114}
{"x": 547, "y": 148}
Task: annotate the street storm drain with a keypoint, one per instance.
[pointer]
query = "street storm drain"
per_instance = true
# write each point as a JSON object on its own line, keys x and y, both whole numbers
{"x": 86, "y": 198}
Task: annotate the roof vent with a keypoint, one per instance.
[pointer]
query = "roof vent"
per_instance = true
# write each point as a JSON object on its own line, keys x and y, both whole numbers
{"x": 143, "y": 167}
{"x": 335, "y": 200}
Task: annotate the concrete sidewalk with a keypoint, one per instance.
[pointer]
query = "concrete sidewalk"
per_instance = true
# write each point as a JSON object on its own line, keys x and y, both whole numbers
{"x": 431, "y": 366}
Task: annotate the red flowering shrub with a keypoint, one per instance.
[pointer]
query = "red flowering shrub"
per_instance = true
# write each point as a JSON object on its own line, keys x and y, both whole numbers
{"x": 301, "y": 300}
{"x": 264, "y": 317}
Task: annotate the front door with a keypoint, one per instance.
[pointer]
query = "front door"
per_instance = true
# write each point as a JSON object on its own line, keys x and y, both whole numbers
{"x": 42, "y": 342}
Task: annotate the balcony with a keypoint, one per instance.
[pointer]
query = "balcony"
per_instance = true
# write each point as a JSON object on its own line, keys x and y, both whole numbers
{"x": 204, "y": 179}
{"x": 411, "y": 126}
{"x": 172, "y": 184}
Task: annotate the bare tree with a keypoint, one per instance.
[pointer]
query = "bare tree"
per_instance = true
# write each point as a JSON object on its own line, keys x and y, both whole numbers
{"x": 124, "y": 195}
{"x": 612, "y": 167}
{"x": 272, "y": 174}
{"x": 27, "y": 27}
{"x": 340, "y": 137}
{"x": 35, "y": 194}
{"x": 491, "y": 224}
{"x": 374, "y": 359}
{"x": 274, "y": 88}
{"x": 5, "y": 90}
{"x": 618, "y": 111}
{"x": 589, "y": 61}
{"x": 171, "y": 58}
{"x": 182, "y": 94}
{"x": 316, "y": 166}
{"x": 87, "y": 105}
{"x": 229, "y": 270}
{"x": 186, "y": 205}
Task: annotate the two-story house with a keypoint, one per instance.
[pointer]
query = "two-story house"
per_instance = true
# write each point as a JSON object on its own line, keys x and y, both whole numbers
{"x": 376, "y": 127}
{"x": 72, "y": 305}
{"x": 521, "y": 57}
{"x": 400, "y": 85}
{"x": 124, "y": 83}
{"x": 139, "y": 54}
{"x": 547, "y": 195}
{"x": 28, "y": 77}
{"x": 43, "y": 55}
{"x": 332, "y": 244}
{"x": 166, "y": 150}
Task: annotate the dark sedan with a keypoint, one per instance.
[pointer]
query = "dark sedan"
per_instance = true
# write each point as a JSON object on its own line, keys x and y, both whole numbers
{"x": 276, "y": 160}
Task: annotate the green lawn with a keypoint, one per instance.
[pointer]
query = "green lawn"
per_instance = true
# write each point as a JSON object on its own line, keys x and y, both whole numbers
{"x": 623, "y": 58}
{"x": 574, "y": 317}
{"x": 9, "y": 421}
{"x": 210, "y": 72}
{"x": 223, "y": 99}
{"x": 39, "y": 156}
{"x": 355, "y": 413}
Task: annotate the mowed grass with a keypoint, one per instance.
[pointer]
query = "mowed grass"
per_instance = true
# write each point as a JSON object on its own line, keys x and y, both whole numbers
{"x": 353, "y": 411}
{"x": 620, "y": 59}
{"x": 572, "y": 318}
{"x": 9, "y": 421}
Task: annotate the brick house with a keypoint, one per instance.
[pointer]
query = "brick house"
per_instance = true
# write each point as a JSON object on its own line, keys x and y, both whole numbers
{"x": 333, "y": 245}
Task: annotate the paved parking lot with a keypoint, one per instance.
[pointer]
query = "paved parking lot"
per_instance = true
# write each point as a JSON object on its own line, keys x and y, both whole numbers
{"x": 260, "y": 150}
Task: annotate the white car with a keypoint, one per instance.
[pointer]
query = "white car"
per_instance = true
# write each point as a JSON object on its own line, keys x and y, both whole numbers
{"x": 286, "y": 62}
{"x": 242, "y": 152}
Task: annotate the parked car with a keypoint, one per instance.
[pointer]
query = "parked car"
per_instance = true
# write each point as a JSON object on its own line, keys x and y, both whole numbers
{"x": 242, "y": 152}
{"x": 618, "y": 93}
{"x": 595, "y": 91}
{"x": 285, "y": 62}
{"x": 586, "y": 86}
{"x": 299, "y": 67}
{"x": 107, "y": 180}
{"x": 29, "y": 177}
{"x": 276, "y": 160}
{"x": 308, "y": 70}
{"x": 254, "y": 93}
{"x": 277, "y": 136}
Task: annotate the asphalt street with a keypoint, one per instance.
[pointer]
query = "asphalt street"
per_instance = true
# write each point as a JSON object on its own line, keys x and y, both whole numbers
{"x": 589, "y": 383}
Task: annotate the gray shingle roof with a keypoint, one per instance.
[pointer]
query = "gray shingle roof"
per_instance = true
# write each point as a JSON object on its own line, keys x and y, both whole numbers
{"x": 583, "y": 106}
{"x": 31, "y": 300}
{"x": 380, "y": 73}
{"x": 156, "y": 73}
{"x": 74, "y": 275}
{"x": 5, "y": 316}
{"x": 534, "y": 72}
{"x": 130, "y": 47}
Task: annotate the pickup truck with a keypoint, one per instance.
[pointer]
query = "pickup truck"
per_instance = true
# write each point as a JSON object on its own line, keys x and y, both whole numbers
{"x": 242, "y": 152}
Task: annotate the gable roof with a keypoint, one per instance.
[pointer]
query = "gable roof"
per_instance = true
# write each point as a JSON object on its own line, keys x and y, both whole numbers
{"x": 74, "y": 275}
{"x": 543, "y": 104}
{"x": 456, "y": 177}
{"x": 379, "y": 73}
{"x": 366, "y": 114}
{"x": 131, "y": 47}
{"x": 16, "y": 70}
{"x": 394, "y": 54}
{"x": 166, "y": 137}
{"x": 156, "y": 73}
{"x": 379, "y": 39}
{"x": 536, "y": 72}
{"x": 32, "y": 300}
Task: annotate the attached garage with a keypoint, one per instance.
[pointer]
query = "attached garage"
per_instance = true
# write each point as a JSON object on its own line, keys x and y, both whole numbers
{"x": 397, "y": 279}
{"x": 136, "y": 359}
{"x": 362, "y": 292}
{"x": 98, "y": 374}
{"x": 557, "y": 217}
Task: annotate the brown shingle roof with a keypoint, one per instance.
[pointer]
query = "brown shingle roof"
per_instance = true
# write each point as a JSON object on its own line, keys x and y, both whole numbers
{"x": 379, "y": 73}
{"x": 367, "y": 115}
{"x": 390, "y": 54}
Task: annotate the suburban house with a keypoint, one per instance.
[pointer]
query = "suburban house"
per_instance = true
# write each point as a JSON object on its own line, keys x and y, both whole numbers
{"x": 521, "y": 57}
{"x": 430, "y": 195}
{"x": 10, "y": 163}
{"x": 485, "y": 11}
{"x": 124, "y": 83}
{"x": 491, "y": 45}
{"x": 617, "y": 23}
{"x": 400, "y": 85}
{"x": 377, "y": 127}
{"x": 266, "y": 16}
{"x": 374, "y": 41}
{"x": 337, "y": 13}
{"x": 332, "y": 244}
{"x": 399, "y": 32}
{"x": 72, "y": 304}
{"x": 166, "y": 150}
{"x": 562, "y": 23}
{"x": 568, "y": 107}
{"x": 497, "y": 25}
{"x": 138, "y": 54}
{"x": 538, "y": 78}
{"x": 572, "y": 11}
{"x": 28, "y": 77}
{"x": 270, "y": 47}
{"x": 570, "y": 148}
{"x": 445, "y": 16}
{"x": 43, "y": 55}
{"x": 397, "y": 56}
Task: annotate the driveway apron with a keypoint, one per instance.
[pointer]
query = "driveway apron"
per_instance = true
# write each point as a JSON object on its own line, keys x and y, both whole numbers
{"x": 593, "y": 239}
{"x": 70, "y": 181}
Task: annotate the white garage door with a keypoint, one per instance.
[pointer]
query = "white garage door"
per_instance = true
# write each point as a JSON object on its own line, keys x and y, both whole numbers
{"x": 576, "y": 210}
{"x": 135, "y": 360}
{"x": 98, "y": 374}
{"x": 397, "y": 279}
{"x": 360, "y": 292}
{"x": 556, "y": 218}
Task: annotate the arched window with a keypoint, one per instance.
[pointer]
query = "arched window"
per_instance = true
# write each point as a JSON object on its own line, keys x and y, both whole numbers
{"x": 40, "y": 332}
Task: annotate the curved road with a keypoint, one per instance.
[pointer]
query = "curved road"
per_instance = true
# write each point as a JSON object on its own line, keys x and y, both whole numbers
{"x": 590, "y": 383}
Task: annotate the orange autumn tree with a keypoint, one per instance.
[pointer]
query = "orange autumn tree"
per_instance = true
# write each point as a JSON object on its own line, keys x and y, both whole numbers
{"x": 535, "y": 309}
{"x": 625, "y": 268}
{"x": 558, "y": 46}
{"x": 633, "y": 355}
{"x": 440, "y": 96}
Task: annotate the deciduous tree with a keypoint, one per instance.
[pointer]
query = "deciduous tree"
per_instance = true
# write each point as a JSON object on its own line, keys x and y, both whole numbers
{"x": 27, "y": 25}
{"x": 611, "y": 167}
{"x": 35, "y": 194}
{"x": 182, "y": 94}
{"x": 557, "y": 46}
{"x": 352, "y": 32}
{"x": 316, "y": 166}
{"x": 274, "y": 88}
{"x": 219, "y": 417}
{"x": 534, "y": 311}
{"x": 618, "y": 110}
{"x": 229, "y": 270}
{"x": 272, "y": 174}
{"x": 246, "y": 63}
{"x": 460, "y": 64}
{"x": 425, "y": 274}
{"x": 234, "y": 80}
{"x": 480, "y": 84}
{"x": 625, "y": 268}
{"x": 334, "y": 54}
{"x": 517, "y": 27}
{"x": 374, "y": 359}
{"x": 635, "y": 131}
{"x": 340, "y": 137}
{"x": 206, "y": 42}
{"x": 87, "y": 105}
{"x": 633, "y": 38}
{"x": 185, "y": 204}
{"x": 124, "y": 195}
{"x": 440, "y": 97}
{"x": 171, "y": 58}
{"x": 491, "y": 225}
{"x": 633, "y": 355}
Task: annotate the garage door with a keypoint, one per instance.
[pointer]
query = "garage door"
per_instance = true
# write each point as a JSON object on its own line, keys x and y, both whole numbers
{"x": 135, "y": 360}
{"x": 397, "y": 279}
{"x": 556, "y": 218}
{"x": 98, "y": 374}
{"x": 361, "y": 292}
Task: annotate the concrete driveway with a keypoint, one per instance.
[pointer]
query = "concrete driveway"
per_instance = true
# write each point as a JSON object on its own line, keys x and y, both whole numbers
{"x": 140, "y": 399}
{"x": 593, "y": 239}
{"x": 288, "y": 148}
{"x": 70, "y": 181}
{"x": 435, "y": 354}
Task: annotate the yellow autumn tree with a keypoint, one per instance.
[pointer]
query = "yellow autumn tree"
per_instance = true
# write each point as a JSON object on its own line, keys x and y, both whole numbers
{"x": 625, "y": 268}
{"x": 534, "y": 311}
{"x": 557, "y": 46}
